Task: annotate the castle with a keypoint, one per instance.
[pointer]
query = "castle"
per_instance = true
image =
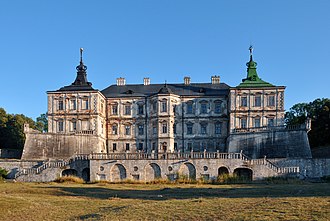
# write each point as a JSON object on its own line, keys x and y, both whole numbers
{"x": 148, "y": 131}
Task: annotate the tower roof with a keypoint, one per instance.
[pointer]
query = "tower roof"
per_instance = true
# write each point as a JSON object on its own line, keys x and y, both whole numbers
{"x": 80, "y": 83}
{"x": 252, "y": 79}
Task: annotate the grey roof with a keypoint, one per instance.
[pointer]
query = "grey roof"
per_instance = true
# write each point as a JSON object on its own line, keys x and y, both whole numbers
{"x": 140, "y": 90}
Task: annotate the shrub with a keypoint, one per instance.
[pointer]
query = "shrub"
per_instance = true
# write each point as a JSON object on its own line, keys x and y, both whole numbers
{"x": 69, "y": 179}
{"x": 326, "y": 179}
{"x": 282, "y": 180}
{"x": 3, "y": 173}
{"x": 231, "y": 179}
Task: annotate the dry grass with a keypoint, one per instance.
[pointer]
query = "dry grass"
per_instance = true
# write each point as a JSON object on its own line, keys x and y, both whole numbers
{"x": 102, "y": 201}
{"x": 69, "y": 179}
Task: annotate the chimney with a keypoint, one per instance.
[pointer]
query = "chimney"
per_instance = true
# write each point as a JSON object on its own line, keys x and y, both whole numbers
{"x": 146, "y": 81}
{"x": 215, "y": 79}
{"x": 121, "y": 81}
{"x": 186, "y": 80}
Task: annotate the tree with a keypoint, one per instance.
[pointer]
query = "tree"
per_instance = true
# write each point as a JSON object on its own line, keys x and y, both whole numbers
{"x": 42, "y": 123}
{"x": 319, "y": 112}
{"x": 12, "y": 129}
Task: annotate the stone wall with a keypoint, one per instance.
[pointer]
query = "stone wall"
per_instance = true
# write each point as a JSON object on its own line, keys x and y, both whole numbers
{"x": 60, "y": 146}
{"x": 13, "y": 166}
{"x": 271, "y": 143}
{"x": 10, "y": 153}
{"x": 309, "y": 168}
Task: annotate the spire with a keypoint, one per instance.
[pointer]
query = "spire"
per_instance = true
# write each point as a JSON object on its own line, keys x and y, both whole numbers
{"x": 252, "y": 79}
{"x": 81, "y": 78}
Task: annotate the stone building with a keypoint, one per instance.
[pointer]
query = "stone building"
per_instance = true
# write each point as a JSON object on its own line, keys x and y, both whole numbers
{"x": 161, "y": 118}
{"x": 149, "y": 131}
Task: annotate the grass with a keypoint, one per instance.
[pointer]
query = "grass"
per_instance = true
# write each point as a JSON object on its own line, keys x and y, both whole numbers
{"x": 103, "y": 201}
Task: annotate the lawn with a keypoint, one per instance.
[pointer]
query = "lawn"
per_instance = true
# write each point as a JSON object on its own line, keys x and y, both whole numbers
{"x": 69, "y": 201}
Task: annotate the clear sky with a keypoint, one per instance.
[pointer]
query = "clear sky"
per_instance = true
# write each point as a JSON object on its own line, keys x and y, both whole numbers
{"x": 163, "y": 40}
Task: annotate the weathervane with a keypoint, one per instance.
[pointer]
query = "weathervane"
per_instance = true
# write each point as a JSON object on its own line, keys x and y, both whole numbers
{"x": 81, "y": 52}
{"x": 251, "y": 50}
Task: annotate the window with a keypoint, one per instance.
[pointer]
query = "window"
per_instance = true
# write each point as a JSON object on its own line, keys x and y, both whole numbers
{"x": 244, "y": 101}
{"x": 189, "y": 108}
{"x": 60, "y": 126}
{"x": 175, "y": 147}
{"x": 140, "y": 129}
{"x": 189, "y": 128}
{"x": 164, "y": 106}
{"x": 203, "y": 128}
{"x": 217, "y": 107}
{"x": 203, "y": 146}
{"x": 270, "y": 122}
{"x": 140, "y": 109}
{"x": 257, "y": 101}
{"x": 127, "y": 146}
{"x": 189, "y": 146}
{"x": 271, "y": 100}
{"x": 243, "y": 122}
{"x": 153, "y": 146}
{"x": 257, "y": 122}
{"x": 60, "y": 105}
{"x": 140, "y": 147}
{"x": 217, "y": 128}
{"x": 73, "y": 104}
{"x": 74, "y": 125}
{"x": 114, "y": 146}
{"x": 164, "y": 126}
{"x": 154, "y": 129}
{"x": 174, "y": 128}
{"x": 154, "y": 106}
{"x": 114, "y": 129}
{"x": 127, "y": 109}
{"x": 127, "y": 130}
{"x": 114, "y": 109}
{"x": 203, "y": 108}
{"x": 85, "y": 105}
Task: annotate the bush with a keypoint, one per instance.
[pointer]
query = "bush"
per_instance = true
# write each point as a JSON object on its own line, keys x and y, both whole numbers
{"x": 69, "y": 179}
{"x": 282, "y": 180}
{"x": 326, "y": 179}
{"x": 231, "y": 179}
{"x": 3, "y": 173}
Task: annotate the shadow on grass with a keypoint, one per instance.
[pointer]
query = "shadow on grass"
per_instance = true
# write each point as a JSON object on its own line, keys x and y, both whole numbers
{"x": 242, "y": 191}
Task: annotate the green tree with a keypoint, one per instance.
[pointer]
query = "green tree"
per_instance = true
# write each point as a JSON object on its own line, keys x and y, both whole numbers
{"x": 42, "y": 123}
{"x": 12, "y": 129}
{"x": 319, "y": 112}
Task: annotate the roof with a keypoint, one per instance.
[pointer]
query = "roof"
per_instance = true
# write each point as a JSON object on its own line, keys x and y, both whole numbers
{"x": 194, "y": 89}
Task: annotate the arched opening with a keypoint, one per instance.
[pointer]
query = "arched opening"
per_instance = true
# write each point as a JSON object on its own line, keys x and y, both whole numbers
{"x": 187, "y": 171}
{"x": 164, "y": 147}
{"x": 86, "y": 174}
{"x": 223, "y": 171}
{"x": 117, "y": 173}
{"x": 69, "y": 172}
{"x": 152, "y": 172}
{"x": 244, "y": 173}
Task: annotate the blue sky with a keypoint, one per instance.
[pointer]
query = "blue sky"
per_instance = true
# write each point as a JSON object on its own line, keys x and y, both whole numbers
{"x": 163, "y": 40}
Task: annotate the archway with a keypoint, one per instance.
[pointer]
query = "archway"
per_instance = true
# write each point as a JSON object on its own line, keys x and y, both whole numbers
{"x": 188, "y": 171}
{"x": 69, "y": 172}
{"x": 117, "y": 173}
{"x": 223, "y": 171}
{"x": 244, "y": 173}
{"x": 86, "y": 174}
{"x": 152, "y": 172}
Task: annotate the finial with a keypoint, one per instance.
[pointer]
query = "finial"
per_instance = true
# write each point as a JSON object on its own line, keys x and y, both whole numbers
{"x": 251, "y": 50}
{"x": 81, "y": 53}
